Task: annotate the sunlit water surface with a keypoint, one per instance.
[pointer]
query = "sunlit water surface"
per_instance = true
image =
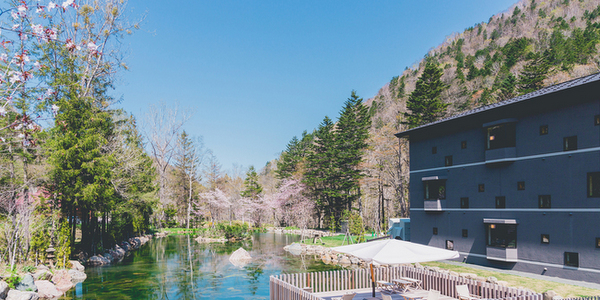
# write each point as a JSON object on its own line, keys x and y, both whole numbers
{"x": 178, "y": 267}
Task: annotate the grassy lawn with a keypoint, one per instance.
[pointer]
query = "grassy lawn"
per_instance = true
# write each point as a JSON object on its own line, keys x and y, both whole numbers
{"x": 176, "y": 231}
{"x": 331, "y": 241}
{"x": 540, "y": 286}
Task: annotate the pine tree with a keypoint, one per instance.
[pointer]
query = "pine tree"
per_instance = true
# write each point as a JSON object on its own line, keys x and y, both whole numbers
{"x": 187, "y": 159}
{"x": 251, "y": 192}
{"x": 424, "y": 103}
{"x": 319, "y": 176}
{"x": 507, "y": 87}
{"x": 534, "y": 73}
{"x": 351, "y": 134}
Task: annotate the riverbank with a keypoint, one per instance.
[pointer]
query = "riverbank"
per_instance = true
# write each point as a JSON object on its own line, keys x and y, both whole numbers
{"x": 119, "y": 251}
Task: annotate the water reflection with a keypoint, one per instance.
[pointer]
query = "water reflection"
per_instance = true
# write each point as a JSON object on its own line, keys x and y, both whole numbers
{"x": 177, "y": 267}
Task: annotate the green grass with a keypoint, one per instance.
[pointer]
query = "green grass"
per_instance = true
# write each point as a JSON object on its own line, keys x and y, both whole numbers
{"x": 540, "y": 286}
{"x": 182, "y": 231}
{"x": 330, "y": 241}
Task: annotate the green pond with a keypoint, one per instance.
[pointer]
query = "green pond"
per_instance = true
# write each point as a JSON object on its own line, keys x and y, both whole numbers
{"x": 178, "y": 267}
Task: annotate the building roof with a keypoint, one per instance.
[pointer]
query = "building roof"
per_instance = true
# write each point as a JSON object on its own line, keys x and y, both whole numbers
{"x": 517, "y": 100}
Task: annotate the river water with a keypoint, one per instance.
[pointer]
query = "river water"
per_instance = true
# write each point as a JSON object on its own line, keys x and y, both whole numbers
{"x": 178, "y": 267}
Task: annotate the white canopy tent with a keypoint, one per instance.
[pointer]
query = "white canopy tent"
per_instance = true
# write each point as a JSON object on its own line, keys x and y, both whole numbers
{"x": 392, "y": 252}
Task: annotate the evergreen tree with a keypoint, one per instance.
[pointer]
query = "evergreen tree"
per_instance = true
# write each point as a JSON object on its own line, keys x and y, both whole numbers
{"x": 251, "y": 192}
{"x": 320, "y": 177}
{"x": 252, "y": 188}
{"x": 186, "y": 164}
{"x": 424, "y": 103}
{"x": 533, "y": 74}
{"x": 507, "y": 87}
{"x": 351, "y": 134}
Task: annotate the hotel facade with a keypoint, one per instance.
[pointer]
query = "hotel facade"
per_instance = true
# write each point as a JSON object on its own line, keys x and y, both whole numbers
{"x": 516, "y": 184}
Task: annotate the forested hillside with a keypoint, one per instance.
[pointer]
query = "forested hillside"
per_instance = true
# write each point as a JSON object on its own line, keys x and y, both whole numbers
{"x": 530, "y": 45}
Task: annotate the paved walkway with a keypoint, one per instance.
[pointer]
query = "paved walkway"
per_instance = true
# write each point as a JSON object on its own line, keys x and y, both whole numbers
{"x": 530, "y": 275}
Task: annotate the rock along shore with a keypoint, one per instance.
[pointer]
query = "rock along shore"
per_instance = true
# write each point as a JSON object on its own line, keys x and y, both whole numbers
{"x": 52, "y": 284}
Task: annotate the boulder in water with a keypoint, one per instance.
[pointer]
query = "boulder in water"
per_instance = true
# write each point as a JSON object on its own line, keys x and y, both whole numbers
{"x": 240, "y": 257}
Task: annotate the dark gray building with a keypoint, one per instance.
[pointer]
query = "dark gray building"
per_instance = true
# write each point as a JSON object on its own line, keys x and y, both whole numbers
{"x": 515, "y": 184}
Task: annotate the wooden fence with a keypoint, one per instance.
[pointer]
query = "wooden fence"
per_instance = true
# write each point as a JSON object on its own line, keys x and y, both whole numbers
{"x": 359, "y": 279}
{"x": 584, "y": 298}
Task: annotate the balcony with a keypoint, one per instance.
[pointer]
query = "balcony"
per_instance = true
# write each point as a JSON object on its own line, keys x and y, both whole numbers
{"x": 501, "y": 155}
{"x": 434, "y": 205}
{"x": 502, "y": 254}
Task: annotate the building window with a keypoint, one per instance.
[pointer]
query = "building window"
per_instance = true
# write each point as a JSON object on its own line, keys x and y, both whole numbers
{"x": 448, "y": 161}
{"x": 501, "y": 136}
{"x": 502, "y": 235}
{"x": 465, "y": 233}
{"x": 464, "y": 202}
{"x": 570, "y": 143}
{"x": 545, "y": 238}
{"x": 597, "y": 120}
{"x": 543, "y": 129}
{"x": 544, "y": 201}
{"x": 481, "y": 188}
{"x": 435, "y": 231}
{"x": 500, "y": 202}
{"x": 449, "y": 245}
{"x": 572, "y": 259}
{"x": 521, "y": 186}
{"x": 435, "y": 189}
{"x": 593, "y": 184}
{"x": 463, "y": 145}
{"x": 433, "y": 150}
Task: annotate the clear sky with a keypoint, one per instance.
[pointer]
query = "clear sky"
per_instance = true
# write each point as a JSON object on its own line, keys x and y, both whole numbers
{"x": 258, "y": 72}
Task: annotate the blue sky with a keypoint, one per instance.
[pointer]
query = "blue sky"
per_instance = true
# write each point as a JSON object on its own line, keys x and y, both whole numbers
{"x": 257, "y": 73}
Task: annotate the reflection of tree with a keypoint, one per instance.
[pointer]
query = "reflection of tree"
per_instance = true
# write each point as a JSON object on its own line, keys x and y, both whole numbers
{"x": 253, "y": 273}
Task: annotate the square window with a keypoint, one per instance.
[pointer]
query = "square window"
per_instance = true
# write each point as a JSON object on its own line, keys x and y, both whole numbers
{"x": 481, "y": 188}
{"x": 433, "y": 150}
{"x": 544, "y": 201}
{"x": 435, "y": 189}
{"x": 572, "y": 259}
{"x": 448, "y": 161}
{"x": 570, "y": 143}
{"x": 597, "y": 120}
{"x": 521, "y": 186}
{"x": 598, "y": 242}
{"x": 449, "y": 245}
{"x": 543, "y": 129}
{"x": 435, "y": 231}
{"x": 500, "y": 202}
{"x": 545, "y": 238}
{"x": 465, "y": 233}
{"x": 593, "y": 184}
{"x": 464, "y": 202}
{"x": 463, "y": 145}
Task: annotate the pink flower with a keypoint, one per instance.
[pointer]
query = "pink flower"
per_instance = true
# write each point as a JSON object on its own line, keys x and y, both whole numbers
{"x": 37, "y": 29}
{"x": 92, "y": 47}
{"x": 2, "y": 111}
{"x": 51, "y": 6}
{"x": 67, "y": 3}
{"x": 3, "y": 57}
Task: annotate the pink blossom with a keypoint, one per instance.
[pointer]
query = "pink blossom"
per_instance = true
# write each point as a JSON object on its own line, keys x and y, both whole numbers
{"x": 2, "y": 111}
{"x": 16, "y": 26}
{"x": 51, "y": 6}
{"x": 14, "y": 14}
{"x": 92, "y": 47}
{"x": 55, "y": 109}
{"x": 67, "y": 3}
{"x": 14, "y": 76}
{"x": 49, "y": 92}
{"x": 37, "y": 29}
{"x": 3, "y": 57}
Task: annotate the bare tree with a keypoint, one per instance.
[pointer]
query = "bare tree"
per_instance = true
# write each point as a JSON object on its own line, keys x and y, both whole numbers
{"x": 162, "y": 126}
